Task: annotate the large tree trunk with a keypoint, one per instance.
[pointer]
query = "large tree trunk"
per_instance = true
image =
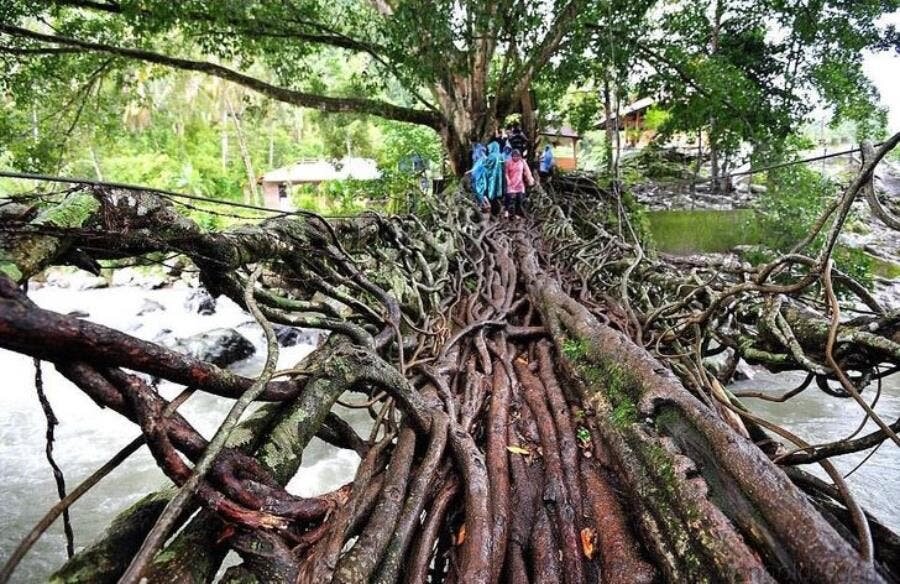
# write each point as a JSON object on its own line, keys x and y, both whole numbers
{"x": 460, "y": 133}
{"x": 522, "y": 431}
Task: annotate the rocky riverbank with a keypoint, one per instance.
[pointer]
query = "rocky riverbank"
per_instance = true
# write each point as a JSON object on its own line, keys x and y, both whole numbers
{"x": 150, "y": 305}
{"x": 865, "y": 232}
{"x": 154, "y": 315}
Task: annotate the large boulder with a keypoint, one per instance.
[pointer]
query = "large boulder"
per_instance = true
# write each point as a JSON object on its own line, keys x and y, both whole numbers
{"x": 744, "y": 371}
{"x": 221, "y": 347}
{"x": 201, "y": 302}
{"x": 77, "y": 280}
{"x": 146, "y": 278}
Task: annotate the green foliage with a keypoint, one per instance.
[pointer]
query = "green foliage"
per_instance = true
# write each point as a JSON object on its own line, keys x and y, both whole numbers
{"x": 624, "y": 412}
{"x": 70, "y": 213}
{"x": 398, "y": 141}
{"x": 658, "y": 164}
{"x": 720, "y": 68}
{"x": 407, "y": 61}
{"x": 717, "y": 67}
{"x": 343, "y": 197}
{"x": 395, "y": 192}
{"x": 655, "y": 118}
{"x": 592, "y": 155}
{"x": 182, "y": 132}
{"x": 792, "y": 203}
{"x": 638, "y": 217}
{"x": 581, "y": 107}
{"x": 851, "y": 94}
{"x": 787, "y": 211}
{"x": 583, "y": 435}
{"x": 784, "y": 215}
{"x": 207, "y": 221}
{"x": 856, "y": 263}
{"x": 701, "y": 231}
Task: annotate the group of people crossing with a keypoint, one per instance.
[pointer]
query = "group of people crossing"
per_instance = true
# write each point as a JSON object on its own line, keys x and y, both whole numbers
{"x": 500, "y": 172}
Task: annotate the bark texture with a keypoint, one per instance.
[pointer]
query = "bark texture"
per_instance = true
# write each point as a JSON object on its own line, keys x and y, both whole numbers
{"x": 542, "y": 410}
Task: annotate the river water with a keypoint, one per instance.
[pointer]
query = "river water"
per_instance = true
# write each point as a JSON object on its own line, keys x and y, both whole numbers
{"x": 88, "y": 436}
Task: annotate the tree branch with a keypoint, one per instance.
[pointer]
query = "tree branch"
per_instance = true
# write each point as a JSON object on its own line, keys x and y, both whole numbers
{"x": 547, "y": 48}
{"x": 325, "y": 36}
{"x": 303, "y": 99}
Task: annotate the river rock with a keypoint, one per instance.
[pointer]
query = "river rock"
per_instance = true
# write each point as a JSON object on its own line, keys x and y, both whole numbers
{"x": 91, "y": 283}
{"x": 150, "y": 306}
{"x": 887, "y": 291}
{"x": 852, "y": 240}
{"x": 289, "y": 336}
{"x": 147, "y": 278}
{"x": 744, "y": 371}
{"x": 77, "y": 280}
{"x": 10, "y": 211}
{"x": 201, "y": 302}
{"x": 221, "y": 347}
{"x": 177, "y": 267}
{"x": 152, "y": 281}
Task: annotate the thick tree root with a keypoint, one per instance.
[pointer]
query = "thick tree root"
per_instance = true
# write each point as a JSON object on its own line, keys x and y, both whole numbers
{"x": 521, "y": 434}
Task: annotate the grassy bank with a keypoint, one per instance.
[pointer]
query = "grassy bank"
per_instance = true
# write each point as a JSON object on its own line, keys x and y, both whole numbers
{"x": 686, "y": 232}
{"x": 711, "y": 231}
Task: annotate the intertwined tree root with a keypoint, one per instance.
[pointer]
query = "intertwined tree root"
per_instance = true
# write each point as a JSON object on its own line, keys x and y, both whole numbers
{"x": 529, "y": 425}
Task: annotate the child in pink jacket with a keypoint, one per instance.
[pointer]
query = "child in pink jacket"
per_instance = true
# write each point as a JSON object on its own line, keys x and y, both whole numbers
{"x": 517, "y": 174}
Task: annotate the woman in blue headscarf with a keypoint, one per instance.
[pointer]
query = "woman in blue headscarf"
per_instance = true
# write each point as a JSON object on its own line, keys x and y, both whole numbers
{"x": 487, "y": 176}
{"x": 478, "y": 152}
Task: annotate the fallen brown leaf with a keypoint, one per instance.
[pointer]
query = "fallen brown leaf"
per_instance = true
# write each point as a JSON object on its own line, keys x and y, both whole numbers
{"x": 588, "y": 538}
{"x": 461, "y": 534}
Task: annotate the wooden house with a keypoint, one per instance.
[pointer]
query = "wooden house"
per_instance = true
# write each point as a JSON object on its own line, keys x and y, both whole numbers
{"x": 631, "y": 123}
{"x": 564, "y": 141}
{"x": 277, "y": 184}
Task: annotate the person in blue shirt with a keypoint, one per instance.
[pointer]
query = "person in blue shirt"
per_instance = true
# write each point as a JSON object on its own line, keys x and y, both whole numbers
{"x": 545, "y": 169}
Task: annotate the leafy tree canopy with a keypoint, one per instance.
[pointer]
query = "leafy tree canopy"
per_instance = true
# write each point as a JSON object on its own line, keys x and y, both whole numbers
{"x": 745, "y": 70}
{"x": 452, "y": 66}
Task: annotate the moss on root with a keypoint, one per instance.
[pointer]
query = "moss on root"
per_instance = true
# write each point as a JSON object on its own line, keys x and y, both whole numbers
{"x": 618, "y": 387}
{"x": 23, "y": 256}
{"x": 663, "y": 488}
{"x": 10, "y": 270}
{"x": 72, "y": 212}
{"x": 615, "y": 393}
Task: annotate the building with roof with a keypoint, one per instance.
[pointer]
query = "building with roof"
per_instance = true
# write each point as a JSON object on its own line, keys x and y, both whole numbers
{"x": 630, "y": 122}
{"x": 276, "y": 184}
{"x": 564, "y": 140}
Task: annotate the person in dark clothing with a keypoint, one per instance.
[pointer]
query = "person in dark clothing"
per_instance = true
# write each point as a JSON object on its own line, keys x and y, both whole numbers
{"x": 518, "y": 140}
{"x": 499, "y": 138}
